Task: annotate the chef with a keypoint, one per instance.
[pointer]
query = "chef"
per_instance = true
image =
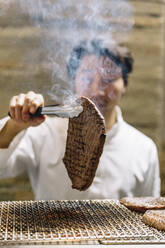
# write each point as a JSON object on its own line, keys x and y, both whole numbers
{"x": 129, "y": 163}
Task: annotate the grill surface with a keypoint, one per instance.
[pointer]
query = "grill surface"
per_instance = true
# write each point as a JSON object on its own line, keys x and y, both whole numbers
{"x": 54, "y": 222}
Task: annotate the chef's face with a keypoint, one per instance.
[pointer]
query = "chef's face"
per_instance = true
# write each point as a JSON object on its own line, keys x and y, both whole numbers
{"x": 100, "y": 79}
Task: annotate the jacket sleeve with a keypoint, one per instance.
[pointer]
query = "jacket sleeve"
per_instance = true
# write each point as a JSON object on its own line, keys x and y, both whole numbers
{"x": 152, "y": 175}
{"x": 15, "y": 158}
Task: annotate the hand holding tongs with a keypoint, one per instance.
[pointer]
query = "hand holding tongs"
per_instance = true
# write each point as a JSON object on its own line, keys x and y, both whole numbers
{"x": 64, "y": 111}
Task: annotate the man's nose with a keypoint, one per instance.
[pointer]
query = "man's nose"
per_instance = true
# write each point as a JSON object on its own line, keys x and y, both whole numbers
{"x": 101, "y": 92}
{"x": 97, "y": 91}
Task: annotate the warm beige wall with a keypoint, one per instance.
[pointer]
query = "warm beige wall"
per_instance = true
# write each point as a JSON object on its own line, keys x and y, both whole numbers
{"x": 144, "y": 106}
{"x": 144, "y": 100}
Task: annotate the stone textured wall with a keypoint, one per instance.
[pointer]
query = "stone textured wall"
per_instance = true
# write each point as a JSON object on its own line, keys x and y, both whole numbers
{"x": 144, "y": 103}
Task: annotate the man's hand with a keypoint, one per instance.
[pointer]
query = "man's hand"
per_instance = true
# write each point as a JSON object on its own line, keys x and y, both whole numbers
{"x": 22, "y": 106}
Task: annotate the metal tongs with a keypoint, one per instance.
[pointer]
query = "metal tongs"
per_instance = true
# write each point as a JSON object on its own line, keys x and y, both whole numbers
{"x": 63, "y": 111}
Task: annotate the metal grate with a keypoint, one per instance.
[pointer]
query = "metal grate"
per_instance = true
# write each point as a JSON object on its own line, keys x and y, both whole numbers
{"x": 52, "y": 222}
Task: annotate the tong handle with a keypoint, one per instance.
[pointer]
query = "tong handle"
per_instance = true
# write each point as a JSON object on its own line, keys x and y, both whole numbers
{"x": 37, "y": 113}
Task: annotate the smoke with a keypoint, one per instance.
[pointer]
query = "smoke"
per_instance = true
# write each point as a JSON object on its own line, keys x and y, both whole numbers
{"x": 64, "y": 23}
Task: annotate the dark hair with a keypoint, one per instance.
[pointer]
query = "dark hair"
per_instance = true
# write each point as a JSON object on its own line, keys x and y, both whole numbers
{"x": 119, "y": 55}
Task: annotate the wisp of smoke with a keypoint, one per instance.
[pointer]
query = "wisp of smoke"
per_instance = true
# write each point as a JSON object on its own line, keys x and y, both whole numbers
{"x": 64, "y": 23}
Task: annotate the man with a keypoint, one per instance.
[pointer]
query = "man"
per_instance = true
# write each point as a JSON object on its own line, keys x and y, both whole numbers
{"x": 129, "y": 162}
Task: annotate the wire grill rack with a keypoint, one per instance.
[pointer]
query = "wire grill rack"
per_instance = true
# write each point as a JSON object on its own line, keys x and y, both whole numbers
{"x": 78, "y": 222}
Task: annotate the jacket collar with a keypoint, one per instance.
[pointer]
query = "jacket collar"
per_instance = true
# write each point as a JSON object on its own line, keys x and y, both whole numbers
{"x": 115, "y": 128}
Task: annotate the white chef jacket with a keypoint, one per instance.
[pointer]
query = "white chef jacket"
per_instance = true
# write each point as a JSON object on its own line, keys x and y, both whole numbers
{"x": 128, "y": 165}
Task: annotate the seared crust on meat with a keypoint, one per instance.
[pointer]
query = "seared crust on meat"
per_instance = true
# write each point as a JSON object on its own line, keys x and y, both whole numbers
{"x": 84, "y": 146}
{"x": 141, "y": 204}
{"x": 155, "y": 218}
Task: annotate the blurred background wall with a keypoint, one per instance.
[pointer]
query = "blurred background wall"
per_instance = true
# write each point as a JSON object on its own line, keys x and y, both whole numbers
{"x": 144, "y": 103}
